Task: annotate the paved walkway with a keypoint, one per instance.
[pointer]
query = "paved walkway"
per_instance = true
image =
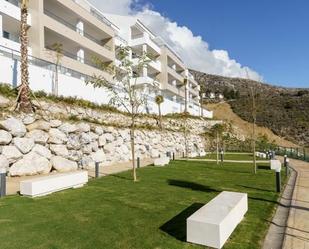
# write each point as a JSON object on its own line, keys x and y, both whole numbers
{"x": 12, "y": 186}
{"x": 297, "y": 229}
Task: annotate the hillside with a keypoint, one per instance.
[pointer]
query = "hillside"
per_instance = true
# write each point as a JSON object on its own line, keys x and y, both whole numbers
{"x": 285, "y": 111}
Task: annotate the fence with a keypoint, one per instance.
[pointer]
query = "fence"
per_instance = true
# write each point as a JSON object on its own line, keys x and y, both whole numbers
{"x": 295, "y": 153}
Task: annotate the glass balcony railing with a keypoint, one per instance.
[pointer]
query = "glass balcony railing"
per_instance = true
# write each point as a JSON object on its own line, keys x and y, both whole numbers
{"x": 14, "y": 2}
{"x": 74, "y": 28}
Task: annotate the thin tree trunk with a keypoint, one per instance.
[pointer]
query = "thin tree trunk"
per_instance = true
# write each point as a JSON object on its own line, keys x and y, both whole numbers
{"x": 160, "y": 116}
{"x": 186, "y": 99}
{"x": 56, "y": 81}
{"x": 23, "y": 101}
{"x": 217, "y": 148}
{"x": 253, "y": 129}
{"x": 133, "y": 149}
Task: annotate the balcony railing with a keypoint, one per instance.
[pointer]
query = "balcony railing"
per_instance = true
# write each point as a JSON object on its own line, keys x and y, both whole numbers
{"x": 14, "y": 2}
{"x": 74, "y": 28}
{"x": 94, "y": 12}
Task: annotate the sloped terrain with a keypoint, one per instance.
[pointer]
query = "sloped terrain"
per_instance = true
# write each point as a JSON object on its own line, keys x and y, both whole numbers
{"x": 285, "y": 111}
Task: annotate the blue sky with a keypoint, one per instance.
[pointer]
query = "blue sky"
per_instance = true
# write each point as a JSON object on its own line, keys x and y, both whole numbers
{"x": 271, "y": 37}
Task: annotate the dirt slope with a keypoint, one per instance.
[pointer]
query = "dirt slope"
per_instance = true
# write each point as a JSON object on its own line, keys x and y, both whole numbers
{"x": 223, "y": 111}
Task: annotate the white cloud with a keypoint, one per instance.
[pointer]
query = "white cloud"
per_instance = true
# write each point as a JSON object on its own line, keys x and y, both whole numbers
{"x": 193, "y": 49}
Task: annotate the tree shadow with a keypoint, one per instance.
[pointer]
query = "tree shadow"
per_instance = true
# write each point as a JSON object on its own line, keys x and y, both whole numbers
{"x": 191, "y": 185}
{"x": 177, "y": 226}
{"x": 254, "y": 188}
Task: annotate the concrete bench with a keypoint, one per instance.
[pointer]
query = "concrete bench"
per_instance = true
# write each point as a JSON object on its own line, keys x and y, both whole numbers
{"x": 48, "y": 184}
{"x": 213, "y": 224}
{"x": 161, "y": 161}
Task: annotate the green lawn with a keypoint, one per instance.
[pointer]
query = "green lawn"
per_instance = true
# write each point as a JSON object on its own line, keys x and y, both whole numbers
{"x": 113, "y": 212}
{"x": 232, "y": 156}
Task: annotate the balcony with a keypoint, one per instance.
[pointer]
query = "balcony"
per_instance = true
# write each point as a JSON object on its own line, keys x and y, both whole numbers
{"x": 141, "y": 39}
{"x": 74, "y": 28}
{"x": 11, "y": 8}
{"x": 146, "y": 80}
{"x": 175, "y": 74}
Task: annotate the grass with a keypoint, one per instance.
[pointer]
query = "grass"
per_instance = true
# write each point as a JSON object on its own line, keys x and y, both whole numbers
{"x": 113, "y": 212}
{"x": 234, "y": 156}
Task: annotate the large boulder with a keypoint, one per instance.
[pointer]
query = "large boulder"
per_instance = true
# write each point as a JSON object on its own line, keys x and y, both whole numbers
{"x": 55, "y": 123}
{"x": 4, "y": 162}
{"x": 5, "y": 137}
{"x": 98, "y": 130}
{"x": 57, "y": 137}
{"x": 85, "y": 138}
{"x": 68, "y": 128}
{"x": 102, "y": 140}
{"x": 73, "y": 142}
{"x": 59, "y": 150}
{"x": 42, "y": 151}
{"x": 87, "y": 162}
{"x": 11, "y": 153}
{"x": 25, "y": 145}
{"x": 29, "y": 119}
{"x": 14, "y": 126}
{"x": 38, "y": 136}
{"x": 39, "y": 125}
{"x": 31, "y": 164}
{"x": 63, "y": 165}
{"x": 83, "y": 127}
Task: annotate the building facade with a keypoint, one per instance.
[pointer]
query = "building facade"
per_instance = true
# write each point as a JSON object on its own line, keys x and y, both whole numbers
{"x": 84, "y": 33}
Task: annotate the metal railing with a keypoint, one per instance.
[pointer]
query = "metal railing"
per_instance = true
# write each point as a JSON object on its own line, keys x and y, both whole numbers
{"x": 294, "y": 153}
{"x": 74, "y": 28}
{"x": 15, "y": 55}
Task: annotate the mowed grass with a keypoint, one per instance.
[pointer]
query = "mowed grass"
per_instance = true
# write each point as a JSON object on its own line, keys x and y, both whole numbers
{"x": 113, "y": 212}
{"x": 233, "y": 156}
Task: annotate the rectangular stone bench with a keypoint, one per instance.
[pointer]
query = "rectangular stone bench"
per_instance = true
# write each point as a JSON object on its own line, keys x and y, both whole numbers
{"x": 48, "y": 184}
{"x": 213, "y": 224}
{"x": 161, "y": 161}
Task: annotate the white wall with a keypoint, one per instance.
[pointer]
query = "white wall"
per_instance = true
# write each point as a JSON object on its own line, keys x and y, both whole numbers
{"x": 42, "y": 79}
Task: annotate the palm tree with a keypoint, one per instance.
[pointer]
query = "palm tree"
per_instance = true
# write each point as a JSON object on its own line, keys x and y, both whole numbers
{"x": 23, "y": 99}
{"x": 159, "y": 99}
{"x": 185, "y": 84}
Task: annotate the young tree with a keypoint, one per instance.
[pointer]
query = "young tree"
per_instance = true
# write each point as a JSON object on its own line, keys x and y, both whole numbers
{"x": 124, "y": 91}
{"x": 159, "y": 99}
{"x": 58, "y": 53}
{"x": 216, "y": 132}
{"x": 23, "y": 102}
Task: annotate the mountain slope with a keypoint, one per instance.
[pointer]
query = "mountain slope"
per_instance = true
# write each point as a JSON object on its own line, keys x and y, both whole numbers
{"x": 285, "y": 111}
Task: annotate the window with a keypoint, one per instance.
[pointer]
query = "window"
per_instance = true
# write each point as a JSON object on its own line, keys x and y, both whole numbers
{"x": 6, "y": 35}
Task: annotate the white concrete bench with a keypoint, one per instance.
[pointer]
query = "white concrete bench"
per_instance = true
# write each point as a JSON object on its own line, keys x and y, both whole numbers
{"x": 161, "y": 161}
{"x": 48, "y": 184}
{"x": 213, "y": 224}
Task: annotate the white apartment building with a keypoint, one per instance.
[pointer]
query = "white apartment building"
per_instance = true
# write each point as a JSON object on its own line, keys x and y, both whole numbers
{"x": 85, "y": 32}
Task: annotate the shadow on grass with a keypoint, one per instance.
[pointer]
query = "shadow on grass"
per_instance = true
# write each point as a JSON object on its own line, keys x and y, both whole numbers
{"x": 191, "y": 185}
{"x": 177, "y": 226}
{"x": 254, "y": 188}
{"x": 264, "y": 167}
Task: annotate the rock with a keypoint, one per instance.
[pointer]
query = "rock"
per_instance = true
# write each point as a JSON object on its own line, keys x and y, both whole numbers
{"x": 75, "y": 155}
{"x": 39, "y": 125}
{"x": 4, "y": 162}
{"x": 28, "y": 119}
{"x": 11, "y": 153}
{"x": 98, "y": 130}
{"x": 55, "y": 123}
{"x": 68, "y": 128}
{"x": 73, "y": 142}
{"x": 102, "y": 140}
{"x": 4, "y": 102}
{"x": 59, "y": 150}
{"x": 14, "y": 126}
{"x": 38, "y": 136}
{"x": 63, "y": 165}
{"x": 95, "y": 146}
{"x": 83, "y": 127}
{"x": 154, "y": 153}
{"x": 57, "y": 137}
{"x": 42, "y": 151}
{"x": 87, "y": 162}
{"x": 109, "y": 148}
{"x": 5, "y": 137}
{"x": 108, "y": 137}
{"x": 87, "y": 149}
{"x": 125, "y": 134}
{"x": 85, "y": 138}
{"x": 98, "y": 156}
{"x": 25, "y": 145}
{"x": 31, "y": 164}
